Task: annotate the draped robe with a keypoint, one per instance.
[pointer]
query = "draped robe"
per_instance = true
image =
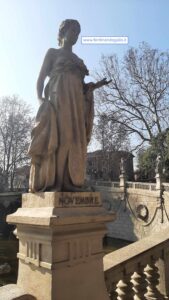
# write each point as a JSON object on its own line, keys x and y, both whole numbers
{"x": 63, "y": 125}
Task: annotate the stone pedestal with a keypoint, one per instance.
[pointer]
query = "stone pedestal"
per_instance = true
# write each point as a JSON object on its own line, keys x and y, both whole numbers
{"x": 60, "y": 245}
{"x": 159, "y": 181}
{"x": 122, "y": 181}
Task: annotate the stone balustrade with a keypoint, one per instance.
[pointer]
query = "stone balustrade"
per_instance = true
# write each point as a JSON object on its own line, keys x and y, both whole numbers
{"x": 141, "y": 185}
{"x": 141, "y": 208}
{"x": 166, "y": 186}
{"x": 115, "y": 184}
{"x": 129, "y": 184}
{"x": 139, "y": 271}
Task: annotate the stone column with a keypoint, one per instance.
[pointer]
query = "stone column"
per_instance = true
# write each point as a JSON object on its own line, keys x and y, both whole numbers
{"x": 60, "y": 245}
{"x": 163, "y": 270}
{"x": 122, "y": 175}
{"x": 158, "y": 182}
{"x": 159, "y": 173}
{"x": 122, "y": 182}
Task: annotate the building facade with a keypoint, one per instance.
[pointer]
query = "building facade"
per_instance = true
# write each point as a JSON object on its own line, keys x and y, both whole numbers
{"x": 106, "y": 165}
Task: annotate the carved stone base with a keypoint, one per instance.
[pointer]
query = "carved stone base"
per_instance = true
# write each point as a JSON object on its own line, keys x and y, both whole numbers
{"x": 60, "y": 245}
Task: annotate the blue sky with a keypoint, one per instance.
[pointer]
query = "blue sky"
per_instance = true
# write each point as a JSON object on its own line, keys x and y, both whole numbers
{"x": 29, "y": 27}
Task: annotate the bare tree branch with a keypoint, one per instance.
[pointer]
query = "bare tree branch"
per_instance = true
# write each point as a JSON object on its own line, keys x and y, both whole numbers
{"x": 137, "y": 97}
{"x": 15, "y": 128}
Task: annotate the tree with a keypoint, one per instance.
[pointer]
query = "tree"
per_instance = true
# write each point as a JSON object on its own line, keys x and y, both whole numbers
{"x": 147, "y": 157}
{"x": 146, "y": 163}
{"x": 112, "y": 136}
{"x": 15, "y": 127}
{"x": 137, "y": 97}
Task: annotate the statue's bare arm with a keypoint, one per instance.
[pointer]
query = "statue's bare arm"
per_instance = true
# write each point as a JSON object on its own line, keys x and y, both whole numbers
{"x": 92, "y": 86}
{"x": 45, "y": 71}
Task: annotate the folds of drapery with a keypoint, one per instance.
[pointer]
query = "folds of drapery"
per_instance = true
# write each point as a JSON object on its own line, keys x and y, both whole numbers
{"x": 66, "y": 118}
{"x": 42, "y": 148}
{"x": 89, "y": 113}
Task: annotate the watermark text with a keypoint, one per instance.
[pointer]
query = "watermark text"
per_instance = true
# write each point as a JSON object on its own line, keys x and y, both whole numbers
{"x": 104, "y": 40}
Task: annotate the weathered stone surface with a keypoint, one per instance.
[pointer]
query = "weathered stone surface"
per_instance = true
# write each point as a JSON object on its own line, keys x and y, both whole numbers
{"x": 146, "y": 263}
{"x": 54, "y": 208}
{"x": 64, "y": 121}
{"x": 60, "y": 245}
{"x": 13, "y": 292}
{"x": 62, "y": 199}
{"x": 128, "y": 225}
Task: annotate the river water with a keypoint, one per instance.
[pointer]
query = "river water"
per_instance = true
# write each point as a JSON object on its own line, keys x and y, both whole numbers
{"x": 8, "y": 251}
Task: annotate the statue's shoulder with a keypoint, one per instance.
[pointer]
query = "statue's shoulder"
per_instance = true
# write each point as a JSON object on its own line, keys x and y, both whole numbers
{"x": 52, "y": 52}
{"x": 76, "y": 56}
{"x": 51, "y": 56}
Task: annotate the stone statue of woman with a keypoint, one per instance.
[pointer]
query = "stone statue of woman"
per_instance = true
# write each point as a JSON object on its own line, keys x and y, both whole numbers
{"x": 64, "y": 121}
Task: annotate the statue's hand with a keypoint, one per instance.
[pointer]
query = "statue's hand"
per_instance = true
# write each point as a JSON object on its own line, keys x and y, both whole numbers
{"x": 102, "y": 82}
{"x": 91, "y": 86}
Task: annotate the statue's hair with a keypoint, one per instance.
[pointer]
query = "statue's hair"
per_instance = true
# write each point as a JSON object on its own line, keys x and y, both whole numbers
{"x": 64, "y": 26}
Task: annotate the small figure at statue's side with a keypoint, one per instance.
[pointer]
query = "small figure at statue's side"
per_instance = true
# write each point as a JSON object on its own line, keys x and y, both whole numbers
{"x": 65, "y": 118}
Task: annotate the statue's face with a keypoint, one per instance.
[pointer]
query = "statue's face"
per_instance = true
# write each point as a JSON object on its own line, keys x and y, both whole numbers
{"x": 71, "y": 35}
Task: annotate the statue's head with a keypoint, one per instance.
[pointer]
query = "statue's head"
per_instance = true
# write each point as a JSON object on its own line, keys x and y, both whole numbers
{"x": 68, "y": 32}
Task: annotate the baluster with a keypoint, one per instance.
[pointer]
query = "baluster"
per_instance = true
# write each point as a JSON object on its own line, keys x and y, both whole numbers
{"x": 125, "y": 288}
{"x": 111, "y": 287}
{"x": 163, "y": 269}
{"x": 139, "y": 284}
{"x": 152, "y": 278}
{"x": 113, "y": 293}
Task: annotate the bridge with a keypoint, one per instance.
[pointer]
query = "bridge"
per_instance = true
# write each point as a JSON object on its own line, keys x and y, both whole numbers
{"x": 140, "y": 270}
{"x": 141, "y": 208}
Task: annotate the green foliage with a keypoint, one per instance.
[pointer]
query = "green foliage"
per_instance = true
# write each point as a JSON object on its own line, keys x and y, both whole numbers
{"x": 146, "y": 163}
{"x": 147, "y": 157}
{"x": 112, "y": 136}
